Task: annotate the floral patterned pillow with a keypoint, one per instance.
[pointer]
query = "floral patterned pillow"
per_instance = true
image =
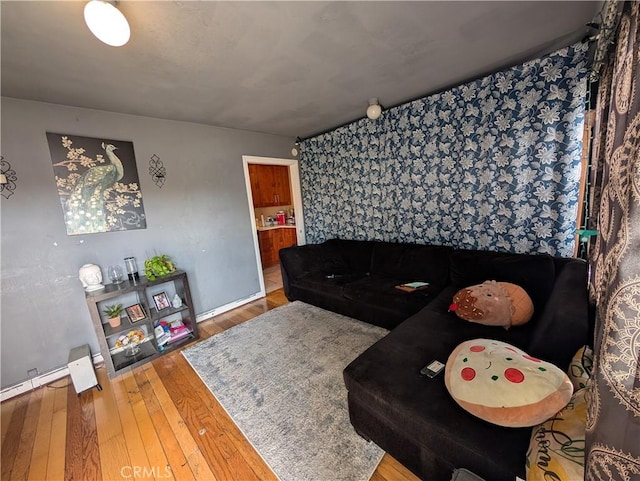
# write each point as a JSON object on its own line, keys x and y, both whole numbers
{"x": 580, "y": 367}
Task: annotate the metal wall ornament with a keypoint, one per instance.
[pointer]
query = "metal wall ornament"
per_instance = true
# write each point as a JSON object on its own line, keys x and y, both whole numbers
{"x": 98, "y": 184}
{"x": 157, "y": 170}
{"x": 9, "y": 177}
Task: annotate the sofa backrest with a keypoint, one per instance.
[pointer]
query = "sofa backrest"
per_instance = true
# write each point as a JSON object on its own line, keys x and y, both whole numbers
{"x": 412, "y": 262}
{"x": 563, "y": 327}
{"x": 440, "y": 265}
{"x": 341, "y": 256}
{"x": 535, "y": 273}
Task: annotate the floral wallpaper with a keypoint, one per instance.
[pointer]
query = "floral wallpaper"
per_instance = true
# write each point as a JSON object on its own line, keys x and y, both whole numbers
{"x": 492, "y": 164}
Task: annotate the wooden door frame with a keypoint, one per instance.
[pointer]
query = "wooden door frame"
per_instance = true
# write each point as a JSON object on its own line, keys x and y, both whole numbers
{"x": 296, "y": 193}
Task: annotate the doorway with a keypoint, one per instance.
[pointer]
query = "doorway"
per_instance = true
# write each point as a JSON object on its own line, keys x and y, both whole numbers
{"x": 269, "y": 235}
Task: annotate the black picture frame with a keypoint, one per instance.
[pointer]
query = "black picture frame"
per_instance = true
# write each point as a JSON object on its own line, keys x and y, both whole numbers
{"x": 135, "y": 312}
{"x": 161, "y": 300}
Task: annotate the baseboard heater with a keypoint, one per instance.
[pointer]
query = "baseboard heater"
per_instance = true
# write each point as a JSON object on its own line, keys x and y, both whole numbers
{"x": 41, "y": 380}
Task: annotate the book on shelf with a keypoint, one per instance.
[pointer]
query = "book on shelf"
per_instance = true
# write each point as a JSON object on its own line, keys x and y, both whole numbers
{"x": 179, "y": 335}
{"x": 176, "y": 326}
{"x": 163, "y": 339}
{"x": 413, "y": 286}
{"x": 177, "y": 330}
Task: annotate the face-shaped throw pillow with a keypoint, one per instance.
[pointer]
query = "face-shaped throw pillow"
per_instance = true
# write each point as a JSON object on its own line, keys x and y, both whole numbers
{"x": 504, "y": 385}
{"x": 493, "y": 304}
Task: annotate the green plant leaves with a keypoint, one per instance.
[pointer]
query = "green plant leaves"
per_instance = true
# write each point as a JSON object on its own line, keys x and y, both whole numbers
{"x": 113, "y": 311}
{"x": 158, "y": 266}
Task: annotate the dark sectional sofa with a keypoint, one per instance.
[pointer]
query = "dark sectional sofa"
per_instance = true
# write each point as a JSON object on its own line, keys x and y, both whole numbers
{"x": 411, "y": 416}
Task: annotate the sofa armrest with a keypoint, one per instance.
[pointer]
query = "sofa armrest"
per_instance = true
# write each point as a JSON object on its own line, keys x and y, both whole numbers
{"x": 563, "y": 326}
{"x": 297, "y": 262}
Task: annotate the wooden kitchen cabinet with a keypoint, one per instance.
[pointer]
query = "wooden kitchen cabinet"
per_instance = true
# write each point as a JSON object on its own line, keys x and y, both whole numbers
{"x": 288, "y": 238}
{"x": 282, "y": 186}
{"x": 267, "y": 252}
{"x": 270, "y": 185}
{"x": 271, "y": 241}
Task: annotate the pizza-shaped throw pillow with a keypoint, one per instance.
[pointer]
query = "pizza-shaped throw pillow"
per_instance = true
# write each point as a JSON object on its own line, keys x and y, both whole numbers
{"x": 504, "y": 385}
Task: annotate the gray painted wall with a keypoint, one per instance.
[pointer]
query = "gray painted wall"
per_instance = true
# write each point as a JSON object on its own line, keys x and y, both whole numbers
{"x": 200, "y": 217}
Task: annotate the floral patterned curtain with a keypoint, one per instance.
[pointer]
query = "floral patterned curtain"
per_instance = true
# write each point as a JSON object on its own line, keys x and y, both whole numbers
{"x": 491, "y": 164}
{"x": 613, "y": 423}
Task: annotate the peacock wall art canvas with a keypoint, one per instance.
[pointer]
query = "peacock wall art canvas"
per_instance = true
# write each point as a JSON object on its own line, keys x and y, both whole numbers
{"x": 98, "y": 185}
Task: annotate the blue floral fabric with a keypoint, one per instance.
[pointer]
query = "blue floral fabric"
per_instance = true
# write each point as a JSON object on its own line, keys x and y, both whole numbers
{"x": 493, "y": 164}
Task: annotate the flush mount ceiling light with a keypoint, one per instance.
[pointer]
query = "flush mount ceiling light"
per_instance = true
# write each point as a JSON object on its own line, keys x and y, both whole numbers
{"x": 107, "y": 23}
{"x": 374, "y": 110}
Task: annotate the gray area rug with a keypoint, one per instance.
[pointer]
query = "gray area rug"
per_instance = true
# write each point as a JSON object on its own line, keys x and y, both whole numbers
{"x": 279, "y": 376}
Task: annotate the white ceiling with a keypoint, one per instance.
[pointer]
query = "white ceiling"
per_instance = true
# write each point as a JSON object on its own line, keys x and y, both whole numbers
{"x": 288, "y": 68}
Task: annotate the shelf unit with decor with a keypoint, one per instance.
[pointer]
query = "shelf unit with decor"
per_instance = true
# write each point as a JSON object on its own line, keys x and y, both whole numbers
{"x": 118, "y": 344}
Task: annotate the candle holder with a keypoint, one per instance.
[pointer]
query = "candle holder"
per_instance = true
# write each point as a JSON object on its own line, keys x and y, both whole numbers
{"x": 132, "y": 268}
{"x": 115, "y": 274}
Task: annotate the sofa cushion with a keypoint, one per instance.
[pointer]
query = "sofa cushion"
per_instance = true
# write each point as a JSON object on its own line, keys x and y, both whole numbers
{"x": 296, "y": 262}
{"x": 412, "y": 262}
{"x": 534, "y": 273}
{"x": 341, "y": 256}
{"x": 328, "y": 294}
{"x": 380, "y": 291}
{"x": 332, "y": 283}
{"x": 504, "y": 385}
{"x": 563, "y": 326}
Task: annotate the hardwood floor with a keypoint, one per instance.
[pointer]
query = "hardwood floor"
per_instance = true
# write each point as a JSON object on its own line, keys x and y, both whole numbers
{"x": 158, "y": 421}
{"x": 272, "y": 278}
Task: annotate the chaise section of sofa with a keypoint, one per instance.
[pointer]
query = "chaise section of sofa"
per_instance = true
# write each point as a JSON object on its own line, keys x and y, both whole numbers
{"x": 414, "y": 418}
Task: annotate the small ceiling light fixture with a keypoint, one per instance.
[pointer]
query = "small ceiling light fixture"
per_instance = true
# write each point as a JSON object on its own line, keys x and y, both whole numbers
{"x": 296, "y": 150}
{"x": 107, "y": 23}
{"x": 374, "y": 110}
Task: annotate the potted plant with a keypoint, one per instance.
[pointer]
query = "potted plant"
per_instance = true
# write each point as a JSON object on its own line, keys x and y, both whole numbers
{"x": 158, "y": 266}
{"x": 113, "y": 313}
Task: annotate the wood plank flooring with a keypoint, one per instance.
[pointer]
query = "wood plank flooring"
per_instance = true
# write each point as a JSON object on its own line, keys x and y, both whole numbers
{"x": 272, "y": 278}
{"x": 157, "y": 422}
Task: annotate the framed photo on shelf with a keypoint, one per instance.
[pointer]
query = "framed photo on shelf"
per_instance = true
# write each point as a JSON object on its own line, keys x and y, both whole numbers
{"x": 135, "y": 313}
{"x": 161, "y": 301}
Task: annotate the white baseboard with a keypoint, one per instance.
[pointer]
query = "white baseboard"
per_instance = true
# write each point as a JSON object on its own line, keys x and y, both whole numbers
{"x": 230, "y": 306}
{"x": 41, "y": 380}
{"x": 49, "y": 377}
